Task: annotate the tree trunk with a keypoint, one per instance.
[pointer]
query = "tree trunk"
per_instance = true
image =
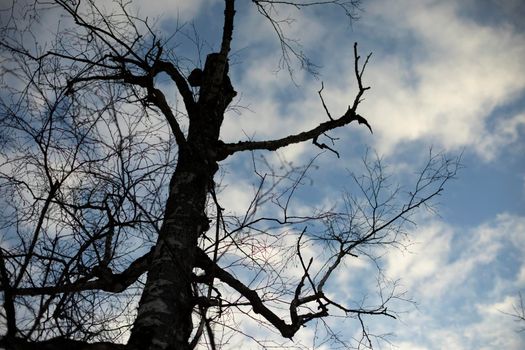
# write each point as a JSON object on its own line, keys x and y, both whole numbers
{"x": 165, "y": 309}
{"x": 164, "y": 315}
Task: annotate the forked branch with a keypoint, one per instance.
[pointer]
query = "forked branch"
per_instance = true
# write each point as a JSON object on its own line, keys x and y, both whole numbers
{"x": 287, "y": 330}
{"x": 227, "y": 149}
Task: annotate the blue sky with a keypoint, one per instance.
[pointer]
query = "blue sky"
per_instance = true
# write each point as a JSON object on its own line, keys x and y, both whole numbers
{"x": 446, "y": 75}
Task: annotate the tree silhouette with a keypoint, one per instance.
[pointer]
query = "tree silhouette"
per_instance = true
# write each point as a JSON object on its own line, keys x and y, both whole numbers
{"x": 112, "y": 224}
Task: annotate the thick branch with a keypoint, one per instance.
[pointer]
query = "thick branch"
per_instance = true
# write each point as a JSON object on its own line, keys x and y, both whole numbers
{"x": 8, "y": 304}
{"x": 155, "y": 95}
{"x": 204, "y": 262}
{"x": 227, "y": 149}
{"x": 106, "y": 281}
{"x": 160, "y": 66}
{"x": 158, "y": 98}
{"x": 227, "y": 32}
{"x": 182, "y": 85}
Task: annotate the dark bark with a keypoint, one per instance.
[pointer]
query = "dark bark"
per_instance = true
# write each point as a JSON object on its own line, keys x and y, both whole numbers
{"x": 164, "y": 315}
{"x": 165, "y": 309}
{"x": 106, "y": 280}
{"x": 57, "y": 344}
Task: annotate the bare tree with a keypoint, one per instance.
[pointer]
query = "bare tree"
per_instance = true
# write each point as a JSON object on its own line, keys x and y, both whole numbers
{"x": 112, "y": 224}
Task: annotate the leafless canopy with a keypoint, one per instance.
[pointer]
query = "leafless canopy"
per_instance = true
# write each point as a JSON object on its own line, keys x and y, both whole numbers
{"x": 113, "y": 232}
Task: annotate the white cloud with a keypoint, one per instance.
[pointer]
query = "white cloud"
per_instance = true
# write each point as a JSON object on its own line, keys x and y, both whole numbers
{"x": 495, "y": 329}
{"x": 434, "y": 241}
{"x": 444, "y": 78}
{"x": 406, "y": 345}
{"x": 275, "y": 105}
{"x": 506, "y": 132}
{"x": 521, "y": 276}
{"x": 186, "y": 10}
{"x": 464, "y": 280}
{"x": 437, "y": 77}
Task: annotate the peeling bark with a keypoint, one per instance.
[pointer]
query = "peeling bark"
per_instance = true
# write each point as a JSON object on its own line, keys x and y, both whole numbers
{"x": 164, "y": 315}
{"x": 165, "y": 309}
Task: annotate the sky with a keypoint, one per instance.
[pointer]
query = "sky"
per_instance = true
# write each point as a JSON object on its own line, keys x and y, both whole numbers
{"x": 444, "y": 75}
